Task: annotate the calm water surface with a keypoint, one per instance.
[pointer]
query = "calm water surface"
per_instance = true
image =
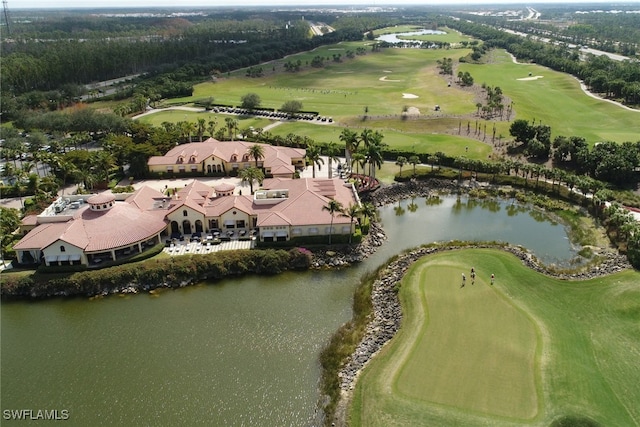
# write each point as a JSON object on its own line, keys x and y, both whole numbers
{"x": 236, "y": 353}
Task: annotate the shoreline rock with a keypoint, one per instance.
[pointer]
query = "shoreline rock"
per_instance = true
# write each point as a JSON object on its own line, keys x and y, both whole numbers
{"x": 386, "y": 316}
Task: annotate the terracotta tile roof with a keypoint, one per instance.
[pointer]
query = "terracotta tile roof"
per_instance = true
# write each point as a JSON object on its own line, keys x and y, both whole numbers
{"x": 30, "y": 220}
{"x": 220, "y": 205}
{"x": 272, "y": 219}
{"x": 43, "y": 235}
{"x": 123, "y": 224}
{"x": 104, "y": 197}
{"x": 275, "y": 158}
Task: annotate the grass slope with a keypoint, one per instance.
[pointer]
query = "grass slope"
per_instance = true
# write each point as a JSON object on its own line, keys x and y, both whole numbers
{"x": 526, "y": 351}
{"x": 377, "y": 82}
{"x": 556, "y": 100}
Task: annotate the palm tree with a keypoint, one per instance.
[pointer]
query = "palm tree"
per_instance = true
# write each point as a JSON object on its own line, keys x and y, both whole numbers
{"x": 211, "y": 127}
{"x": 232, "y": 127}
{"x": 333, "y": 207}
{"x": 414, "y": 160}
{"x": 352, "y": 212}
{"x": 401, "y": 161}
{"x": 462, "y": 163}
{"x": 185, "y": 130}
{"x": 369, "y": 211}
{"x": 351, "y": 143}
{"x": 332, "y": 155}
{"x": 372, "y": 142}
{"x": 359, "y": 159}
{"x": 103, "y": 162}
{"x": 201, "y": 126}
{"x": 249, "y": 175}
{"x": 257, "y": 152}
{"x": 313, "y": 157}
{"x": 432, "y": 159}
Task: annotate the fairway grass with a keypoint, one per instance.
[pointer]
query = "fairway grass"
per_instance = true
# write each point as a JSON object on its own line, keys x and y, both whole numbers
{"x": 525, "y": 351}
{"x": 367, "y": 91}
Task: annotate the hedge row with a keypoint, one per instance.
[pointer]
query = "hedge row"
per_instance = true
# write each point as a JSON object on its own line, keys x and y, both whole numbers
{"x": 164, "y": 272}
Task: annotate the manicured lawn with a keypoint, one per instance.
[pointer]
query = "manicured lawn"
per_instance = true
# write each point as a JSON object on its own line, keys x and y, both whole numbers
{"x": 374, "y": 90}
{"x": 416, "y": 142}
{"x": 556, "y": 100}
{"x": 525, "y": 351}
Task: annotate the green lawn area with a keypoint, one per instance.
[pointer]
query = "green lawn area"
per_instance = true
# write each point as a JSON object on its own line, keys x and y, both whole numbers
{"x": 525, "y": 351}
{"x": 556, "y": 100}
{"x": 386, "y": 83}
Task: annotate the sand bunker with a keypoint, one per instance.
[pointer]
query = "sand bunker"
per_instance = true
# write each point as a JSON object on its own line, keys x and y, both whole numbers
{"x": 387, "y": 71}
{"x": 531, "y": 78}
{"x": 409, "y": 96}
{"x": 412, "y": 111}
{"x": 385, "y": 79}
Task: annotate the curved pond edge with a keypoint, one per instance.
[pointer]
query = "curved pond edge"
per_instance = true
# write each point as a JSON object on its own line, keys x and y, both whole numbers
{"x": 386, "y": 312}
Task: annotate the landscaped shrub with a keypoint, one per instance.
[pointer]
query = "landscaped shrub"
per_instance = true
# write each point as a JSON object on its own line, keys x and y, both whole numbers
{"x": 174, "y": 271}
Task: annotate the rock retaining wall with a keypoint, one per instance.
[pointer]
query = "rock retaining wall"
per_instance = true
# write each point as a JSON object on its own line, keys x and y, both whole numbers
{"x": 387, "y": 313}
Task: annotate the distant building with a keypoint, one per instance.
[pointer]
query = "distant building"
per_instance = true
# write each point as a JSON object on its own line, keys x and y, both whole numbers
{"x": 227, "y": 157}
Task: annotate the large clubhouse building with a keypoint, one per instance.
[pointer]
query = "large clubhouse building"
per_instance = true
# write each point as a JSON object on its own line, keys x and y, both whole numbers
{"x": 106, "y": 226}
{"x": 226, "y": 157}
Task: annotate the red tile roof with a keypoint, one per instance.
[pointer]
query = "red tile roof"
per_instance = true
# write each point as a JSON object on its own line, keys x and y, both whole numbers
{"x": 278, "y": 159}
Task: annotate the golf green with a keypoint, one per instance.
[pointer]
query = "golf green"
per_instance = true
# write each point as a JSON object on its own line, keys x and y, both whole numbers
{"x": 526, "y": 350}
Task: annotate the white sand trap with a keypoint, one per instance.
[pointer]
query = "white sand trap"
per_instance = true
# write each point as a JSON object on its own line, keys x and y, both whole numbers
{"x": 387, "y": 71}
{"x": 336, "y": 48}
{"x": 531, "y": 78}
{"x": 409, "y": 96}
{"x": 385, "y": 79}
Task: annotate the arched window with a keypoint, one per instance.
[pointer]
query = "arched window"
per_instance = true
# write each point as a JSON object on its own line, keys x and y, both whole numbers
{"x": 234, "y": 158}
{"x": 62, "y": 248}
{"x": 180, "y": 159}
{"x": 185, "y": 213}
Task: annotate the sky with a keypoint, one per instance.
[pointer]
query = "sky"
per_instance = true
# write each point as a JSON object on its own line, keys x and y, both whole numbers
{"x": 24, "y": 4}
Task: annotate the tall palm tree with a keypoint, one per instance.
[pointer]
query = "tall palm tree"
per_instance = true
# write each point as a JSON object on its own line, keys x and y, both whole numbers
{"x": 372, "y": 142}
{"x": 103, "y": 162}
{"x": 211, "y": 127}
{"x": 313, "y": 157}
{"x": 334, "y": 207}
{"x": 359, "y": 159}
{"x": 257, "y": 152}
{"x": 201, "y": 126}
{"x": 232, "y": 126}
{"x": 432, "y": 159}
{"x": 351, "y": 142}
{"x": 332, "y": 155}
{"x": 401, "y": 161}
{"x": 352, "y": 212}
{"x": 414, "y": 160}
{"x": 249, "y": 175}
{"x": 369, "y": 211}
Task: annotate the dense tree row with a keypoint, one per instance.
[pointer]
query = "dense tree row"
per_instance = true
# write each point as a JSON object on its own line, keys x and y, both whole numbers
{"x": 207, "y": 46}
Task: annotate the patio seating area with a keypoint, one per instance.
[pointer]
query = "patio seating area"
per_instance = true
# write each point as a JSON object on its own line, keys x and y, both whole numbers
{"x": 183, "y": 248}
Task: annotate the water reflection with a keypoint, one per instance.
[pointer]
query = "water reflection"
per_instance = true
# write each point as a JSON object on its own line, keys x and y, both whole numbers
{"x": 460, "y": 217}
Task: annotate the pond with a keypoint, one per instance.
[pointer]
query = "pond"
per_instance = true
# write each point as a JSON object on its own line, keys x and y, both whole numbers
{"x": 239, "y": 352}
{"x": 393, "y": 38}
